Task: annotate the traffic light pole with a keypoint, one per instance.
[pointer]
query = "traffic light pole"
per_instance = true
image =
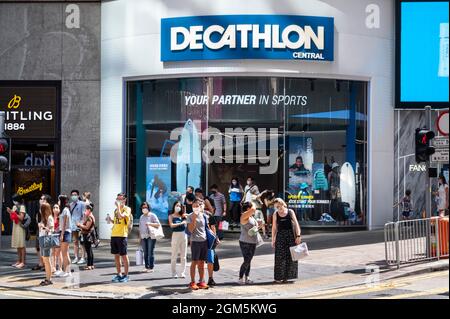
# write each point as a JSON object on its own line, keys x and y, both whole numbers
{"x": 2, "y": 131}
{"x": 428, "y": 165}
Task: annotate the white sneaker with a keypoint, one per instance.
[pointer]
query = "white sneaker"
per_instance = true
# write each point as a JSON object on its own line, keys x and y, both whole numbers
{"x": 66, "y": 274}
{"x": 75, "y": 260}
{"x": 81, "y": 261}
{"x": 248, "y": 280}
{"x": 175, "y": 276}
{"x": 241, "y": 281}
{"x": 59, "y": 273}
{"x": 183, "y": 275}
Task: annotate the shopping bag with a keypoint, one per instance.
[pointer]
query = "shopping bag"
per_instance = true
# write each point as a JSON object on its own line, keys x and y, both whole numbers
{"x": 139, "y": 257}
{"x": 156, "y": 233}
{"x": 299, "y": 251}
{"x": 260, "y": 240}
{"x": 225, "y": 225}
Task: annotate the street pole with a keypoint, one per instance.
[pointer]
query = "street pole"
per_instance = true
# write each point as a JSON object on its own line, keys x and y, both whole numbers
{"x": 428, "y": 165}
{"x": 2, "y": 131}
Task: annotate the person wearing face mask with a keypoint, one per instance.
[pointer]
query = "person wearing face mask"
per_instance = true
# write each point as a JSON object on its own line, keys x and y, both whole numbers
{"x": 235, "y": 191}
{"x": 147, "y": 220}
{"x": 197, "y": 223}
{"x": 285, "y": 234}
{"x": 18, "y": 240}
{"x": 77, "y": 208}
{"x": 187, "y": 199}
{"x": 56, "y": 251}
{"x": 220, "y": 204}
{"x": 177, "y": 221}
{"x": 119, "y": 237}
{"x": 442, "y": 196}
{"x": 65, "y": 227}
{"x": 251, "y": 190}
{"x": 86, "y": 228}
{"x": 45, "y": 199}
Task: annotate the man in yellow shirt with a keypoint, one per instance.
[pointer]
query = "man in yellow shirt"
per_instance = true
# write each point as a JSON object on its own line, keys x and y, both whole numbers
{"x": 119, "y": 235}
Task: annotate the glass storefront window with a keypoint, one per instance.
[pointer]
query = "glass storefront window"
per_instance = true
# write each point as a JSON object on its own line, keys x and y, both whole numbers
{"x": 305, "y": 139}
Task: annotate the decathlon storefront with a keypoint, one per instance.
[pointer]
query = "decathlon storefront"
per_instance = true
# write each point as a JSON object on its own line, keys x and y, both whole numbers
{"x": 296, "y": 95}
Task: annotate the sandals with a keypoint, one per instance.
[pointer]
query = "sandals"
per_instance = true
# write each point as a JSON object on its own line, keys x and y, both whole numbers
{"x": 20, "y": 266}
{"x": 88, "y": 268}
{"x": 45, "y": 283}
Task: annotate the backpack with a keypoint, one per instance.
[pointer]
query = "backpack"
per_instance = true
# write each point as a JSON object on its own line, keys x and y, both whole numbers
{"x": 93, "y": 237}
{"x": 25, "y": 224}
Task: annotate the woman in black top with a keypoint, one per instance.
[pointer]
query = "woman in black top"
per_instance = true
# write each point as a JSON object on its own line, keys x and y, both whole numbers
{"x": 285, "y": 234}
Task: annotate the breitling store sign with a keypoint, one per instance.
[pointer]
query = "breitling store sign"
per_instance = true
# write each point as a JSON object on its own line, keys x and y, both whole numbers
{"x": 30, "y": 111}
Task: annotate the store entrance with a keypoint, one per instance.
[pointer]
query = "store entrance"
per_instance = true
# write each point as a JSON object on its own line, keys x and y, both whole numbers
{"x": 33, "y": 173}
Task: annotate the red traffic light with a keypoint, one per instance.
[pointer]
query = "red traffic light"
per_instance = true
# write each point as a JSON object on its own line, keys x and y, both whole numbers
{"x": 4, "y": 146}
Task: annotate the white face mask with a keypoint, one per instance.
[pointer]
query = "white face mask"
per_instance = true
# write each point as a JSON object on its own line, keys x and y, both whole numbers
{"x": 177, "y": 209}
{"x": 15, "y": 203}
{"x": 249, "y": 183}
{"x": 41, "y": 201}
{"x": 145, "y": 211}
{"x": 197, "y": 210}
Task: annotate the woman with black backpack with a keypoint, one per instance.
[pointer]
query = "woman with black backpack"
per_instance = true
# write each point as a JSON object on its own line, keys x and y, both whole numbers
{"x": 18, "y": 215}
{"x": 87, "y": 227}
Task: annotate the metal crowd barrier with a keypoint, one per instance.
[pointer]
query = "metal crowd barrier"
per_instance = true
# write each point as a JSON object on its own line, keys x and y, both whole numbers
{"x": 416, "y": 240}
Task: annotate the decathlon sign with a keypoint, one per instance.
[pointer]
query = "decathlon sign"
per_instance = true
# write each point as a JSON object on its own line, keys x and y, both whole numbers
{"x": 247, "y": 37}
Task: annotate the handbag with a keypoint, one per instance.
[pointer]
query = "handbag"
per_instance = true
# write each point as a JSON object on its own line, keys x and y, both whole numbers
{"x": 156, "y": 233}
{"x": 139, "y": 257}
{"x": 299, "y": 252}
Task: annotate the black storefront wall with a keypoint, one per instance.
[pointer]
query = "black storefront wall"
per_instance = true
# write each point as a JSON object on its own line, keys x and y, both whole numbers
{"x": 33, "y": 123}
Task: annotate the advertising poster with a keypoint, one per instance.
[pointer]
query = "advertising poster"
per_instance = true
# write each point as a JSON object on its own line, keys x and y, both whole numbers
{"x": 300, "y": 163}
{"x": 158, "y": 185}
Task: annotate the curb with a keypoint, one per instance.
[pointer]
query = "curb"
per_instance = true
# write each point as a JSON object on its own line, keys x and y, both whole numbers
{"x": 439, "y": 266}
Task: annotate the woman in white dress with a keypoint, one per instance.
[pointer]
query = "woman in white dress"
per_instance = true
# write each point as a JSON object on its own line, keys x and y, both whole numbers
{"x": 442, "y": 196}
{"x": 17, "y": 215}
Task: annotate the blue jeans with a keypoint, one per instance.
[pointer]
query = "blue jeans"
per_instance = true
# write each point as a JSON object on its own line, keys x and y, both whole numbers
{"x": 148, "y": 245}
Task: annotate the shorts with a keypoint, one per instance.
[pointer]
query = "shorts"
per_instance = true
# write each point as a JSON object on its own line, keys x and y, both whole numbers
{"x": 199, "y": 250}
{"x": 45, "y": 252}
{"x": 75, "y": 235}
{"x": 67, "y": 237}
{"x": 210, "y": 256}
{"x": 406, "y": 214}
{"x": 119, "y": 246}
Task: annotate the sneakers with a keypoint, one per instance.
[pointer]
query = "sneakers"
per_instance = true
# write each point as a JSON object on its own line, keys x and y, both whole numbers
{"x": 116, "y": 278}
{"x": 66, "y": 274}
{"x": 183, "y": 275}
{"x": 193, "y": 286}
{"x": 81, "y": 261}
{"x": 75, "y": 260}
{"x": 174, "y": 276}
{"x": 248, "y": 280}
{"x": 59, "y": 273}
{"x": 202, "y": 285}
{"x": 211, "y": 282}
{"x": 124, "y": 279}
{"x": 241, "y": 281}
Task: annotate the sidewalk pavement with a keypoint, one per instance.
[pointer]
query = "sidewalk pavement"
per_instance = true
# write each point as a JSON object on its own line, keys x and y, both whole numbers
{"x": 337, "y": 260}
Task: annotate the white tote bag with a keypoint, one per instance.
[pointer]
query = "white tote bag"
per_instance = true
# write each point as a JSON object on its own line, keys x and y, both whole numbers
{"x": 299, "y": 252}
{"x": 139, "y": 257}
{"x": 156, "y": 233}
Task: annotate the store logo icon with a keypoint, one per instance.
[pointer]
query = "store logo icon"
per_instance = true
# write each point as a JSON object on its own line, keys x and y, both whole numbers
{"x": 14, "y": 103}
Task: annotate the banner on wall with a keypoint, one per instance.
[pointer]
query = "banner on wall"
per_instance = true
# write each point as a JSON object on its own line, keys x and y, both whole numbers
{"x": 158, "y": 183}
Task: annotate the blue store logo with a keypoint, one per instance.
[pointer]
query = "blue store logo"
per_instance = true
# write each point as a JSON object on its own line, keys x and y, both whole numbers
{"x": 247, "y": 37}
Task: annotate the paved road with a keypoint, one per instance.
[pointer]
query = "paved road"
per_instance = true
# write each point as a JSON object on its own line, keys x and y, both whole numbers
{"x": 336, "y": 268}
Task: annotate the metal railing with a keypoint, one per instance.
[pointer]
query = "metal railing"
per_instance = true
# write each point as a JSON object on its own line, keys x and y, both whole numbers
{"x": 416, "y": 240}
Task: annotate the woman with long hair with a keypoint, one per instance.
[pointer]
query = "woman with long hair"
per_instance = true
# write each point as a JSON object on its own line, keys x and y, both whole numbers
{"x": 46, "y": 228}
{"x": 177, "y": 221}
{"x": 17, "y": 215}
{"x": 285, "y": 234}
{"x": 235, "y": 192}
{"x": 56, "y": 251}
{"x": 65, "y": 222}
{"x": 86, "y": 229}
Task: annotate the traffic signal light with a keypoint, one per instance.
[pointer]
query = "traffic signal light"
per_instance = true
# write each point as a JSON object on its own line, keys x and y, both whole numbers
{"x": 423, "y": 148}
{"x": 5, "y": 154}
